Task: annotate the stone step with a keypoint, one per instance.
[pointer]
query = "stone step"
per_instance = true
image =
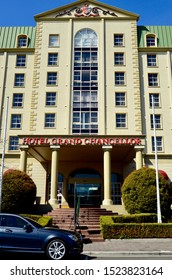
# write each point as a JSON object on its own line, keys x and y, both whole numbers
{"x": 88, "y": 221}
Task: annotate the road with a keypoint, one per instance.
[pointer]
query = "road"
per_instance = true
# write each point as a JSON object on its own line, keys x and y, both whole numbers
{"x": 92, "y": 256}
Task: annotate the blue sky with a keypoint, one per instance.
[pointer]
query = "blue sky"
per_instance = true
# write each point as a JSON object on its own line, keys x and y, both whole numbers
{"x": 21, "y": 12}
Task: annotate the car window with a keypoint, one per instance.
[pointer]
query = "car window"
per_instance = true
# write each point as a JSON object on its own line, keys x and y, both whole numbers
{"x": 12, "y": 221}
{"x": 34, "y": 223}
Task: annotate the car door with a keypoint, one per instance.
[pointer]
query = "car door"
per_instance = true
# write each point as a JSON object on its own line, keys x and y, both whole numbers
{"x": 16, "y": 237}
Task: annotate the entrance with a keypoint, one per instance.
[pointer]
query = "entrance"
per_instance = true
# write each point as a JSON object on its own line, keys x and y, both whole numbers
{"x": 86, "y": 185}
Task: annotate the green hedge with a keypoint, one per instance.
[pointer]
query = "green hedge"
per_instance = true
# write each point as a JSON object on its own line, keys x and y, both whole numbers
{"x": 135, "y": 218}
{"x": 44, "y": 221}
{"x": 112, "y": 230}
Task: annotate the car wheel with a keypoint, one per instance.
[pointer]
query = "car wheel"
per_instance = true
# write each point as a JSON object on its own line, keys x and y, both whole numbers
{"x": 56, "y": 249}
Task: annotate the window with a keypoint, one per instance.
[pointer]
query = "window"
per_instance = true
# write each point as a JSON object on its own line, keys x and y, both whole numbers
{"x": 19, "y": 80}
{"x": 14, "y": 143}
{"x": 52, "y": 78}
{"x": 85, "y": 121}
{"x": 16, "y": 121}
{"x": 119, "y": 78}
{"x": 150, "y": 41}
{"x": 86, "y": 38}
{"x": 49, "y": 120}
{"x": 50, "y": 98}
{"x": 158, "y": 144}
{"x": 151, "y": 60}
{"x": 85, "y": 99}
{"x": 17, "y": 100}
{"x": 52, "y": 59}
{"x": 53, "y": 40}
{"x": 85, "y": 83}
{"x": 118, "y": 40}
{"x": 119, "y": 58}
{"x": 22, "y": 41}
{"x": 157, "y": 121}
{"x": 120, "y": 99}
{"x": 21, "y": 60}
{"x": 120, "y": 120}
{"x": 153, "y": 79}
{"x": 156, "y": 99}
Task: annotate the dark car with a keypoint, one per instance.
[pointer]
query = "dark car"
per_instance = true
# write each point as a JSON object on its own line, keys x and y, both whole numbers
{"x": 19, "y": 234}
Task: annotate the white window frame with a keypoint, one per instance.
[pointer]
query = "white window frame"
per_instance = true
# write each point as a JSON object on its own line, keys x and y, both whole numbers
{"x": 119, "y": 59}
{"x": 151, "y": 40}
{"x": 16, "y": 121}
{"x": 19, "y": 80}
{"x": 54, "y": 40}
{"x": 52, "y": 78}
{"x": 21, "y": 60}
{"x": 122, "y": 123}
{"x": 158, "y": 121}
{"x": 51, "y": 99}
{"x": 22, "y": 41}
{"x": 51, "y": 122}
{"x": 156, "y": 103}
{"x": 17, "y": 100}
{"x": 120, "y": 100}
{"x": 52, "y": 61}
{"x": 159, "y": 142}
{"x": 13, "y": 143}
{"x": 120, "y": 80}
{"x": 154, "y": 80}
{"x": 118, "y": 42}
{"x": 151, "y": 60}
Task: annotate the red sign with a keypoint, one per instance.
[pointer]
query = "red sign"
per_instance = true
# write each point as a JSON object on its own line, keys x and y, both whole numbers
{"x": 80, "y": 141}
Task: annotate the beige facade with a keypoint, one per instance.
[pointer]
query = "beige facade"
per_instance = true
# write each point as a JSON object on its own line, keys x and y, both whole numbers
{"x": 80, "y": 113}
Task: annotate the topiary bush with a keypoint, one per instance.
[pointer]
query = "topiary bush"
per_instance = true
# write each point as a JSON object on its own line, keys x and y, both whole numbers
{"x": 18, "y": 192}
{"x": 139, "y": 192}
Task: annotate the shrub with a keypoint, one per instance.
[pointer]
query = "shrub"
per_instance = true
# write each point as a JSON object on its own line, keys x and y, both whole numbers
{"x": 44, "y": 221}
{"x": 139, "y": 192}
{"x": 18, "y": 192}
{"x": 135, "y": 218}
{"x": 111, "y": 230}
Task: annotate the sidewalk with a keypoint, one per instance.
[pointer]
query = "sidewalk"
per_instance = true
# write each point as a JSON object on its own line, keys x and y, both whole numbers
{"x": 131, "y": 246}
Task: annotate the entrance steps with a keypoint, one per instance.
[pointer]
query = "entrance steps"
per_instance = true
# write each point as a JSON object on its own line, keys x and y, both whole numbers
{"x": 88, "y": 221}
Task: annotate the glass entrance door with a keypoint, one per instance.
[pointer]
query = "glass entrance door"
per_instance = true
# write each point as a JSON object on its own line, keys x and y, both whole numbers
{"x": 86, "y": 184}
{"x": 90, "y": 194}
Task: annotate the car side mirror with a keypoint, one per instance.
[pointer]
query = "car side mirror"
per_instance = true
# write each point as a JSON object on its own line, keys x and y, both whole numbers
{"x": 27, "y": 228}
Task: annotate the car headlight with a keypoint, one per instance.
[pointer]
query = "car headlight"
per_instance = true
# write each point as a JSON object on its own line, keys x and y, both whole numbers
{"x": 73, "y": 237}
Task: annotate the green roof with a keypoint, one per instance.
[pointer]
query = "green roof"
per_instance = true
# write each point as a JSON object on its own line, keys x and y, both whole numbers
{"x": 163, "y": 33}
{"x": 8, "y": 36}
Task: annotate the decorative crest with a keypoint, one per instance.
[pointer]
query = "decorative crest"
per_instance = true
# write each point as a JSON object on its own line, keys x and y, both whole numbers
{"x": 86, "y": 11}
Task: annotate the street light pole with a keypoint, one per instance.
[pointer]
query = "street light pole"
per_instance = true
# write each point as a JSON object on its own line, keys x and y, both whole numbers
{"x": 156, "y": 165}
{"x": 3, "y": 149}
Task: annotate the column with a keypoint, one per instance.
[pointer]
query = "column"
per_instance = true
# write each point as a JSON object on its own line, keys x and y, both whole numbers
{"x": 23, "y": 157}
{"x": 54, "y": 175}
{"x": 107, "y": 175}
{"x": 139, "y": 156}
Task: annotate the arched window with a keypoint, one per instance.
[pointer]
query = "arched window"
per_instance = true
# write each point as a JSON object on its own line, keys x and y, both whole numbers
{"x": 86, "y": 38}
{"x": 22, "y": 41}
{"x": 85, "y": 173}
{"x": 151, "y": 40}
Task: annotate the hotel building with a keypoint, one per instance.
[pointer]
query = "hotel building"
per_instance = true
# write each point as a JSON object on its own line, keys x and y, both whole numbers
{"x": 80, "y": 87}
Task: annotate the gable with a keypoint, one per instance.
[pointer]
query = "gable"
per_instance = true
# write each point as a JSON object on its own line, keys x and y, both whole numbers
{"x": 86, "y": 9}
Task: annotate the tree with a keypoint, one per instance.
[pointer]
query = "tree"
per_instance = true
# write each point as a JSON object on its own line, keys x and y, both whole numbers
{"x": 18, "y": 192}
{"x": 139, "y": 192}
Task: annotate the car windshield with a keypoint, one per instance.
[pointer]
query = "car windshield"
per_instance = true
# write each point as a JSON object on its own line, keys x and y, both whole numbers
{"x": 33, "y": 223}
